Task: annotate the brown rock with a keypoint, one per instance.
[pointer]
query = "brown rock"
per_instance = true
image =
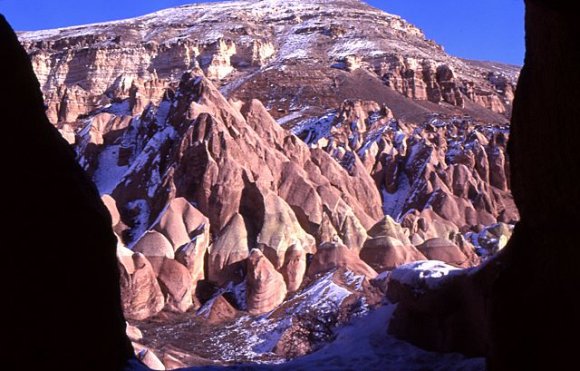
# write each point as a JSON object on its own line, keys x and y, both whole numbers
{"x": 333, "y": 255}
{"x": 436, "y": 311}
{"x": 227, "y": 254}
{"x": 280, "y": 231}
{"x": 386, "y": 253}
{"x": 140, "y": 293}
{"x": 221, "y": 311}
{"x": 446, "y": 251}
{"x": 265, "y": 286}
{"x": 171, "y": 362}
{"x": 133, "y": 333}
{"x": 181, "y": 222}
{"x": 175, "y": 282}
{"x": 294, "y": 267}
{"x": 154, "y": 244}
{"x": 387, "y": 227}
{"x": 148, "y": 358}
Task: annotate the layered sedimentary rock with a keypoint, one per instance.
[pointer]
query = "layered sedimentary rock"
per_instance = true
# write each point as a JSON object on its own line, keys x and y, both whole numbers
{"x": 228, "y": 252}
{"x": 334, "y": 255}
{"x": 444, "y": 176}
{"x": 316, "y": 61}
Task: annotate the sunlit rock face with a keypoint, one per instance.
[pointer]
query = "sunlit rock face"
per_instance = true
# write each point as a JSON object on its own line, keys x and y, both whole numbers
{"x": 284, "y": 54}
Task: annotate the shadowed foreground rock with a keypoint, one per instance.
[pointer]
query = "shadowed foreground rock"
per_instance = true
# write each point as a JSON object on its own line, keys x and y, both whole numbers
{"x": 521, "y": 309}
{"x": 61, "y": 281}
{"x": 534, "y": 304}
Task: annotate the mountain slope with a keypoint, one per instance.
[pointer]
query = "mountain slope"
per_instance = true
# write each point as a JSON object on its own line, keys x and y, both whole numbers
{"x": 298, "y": 57}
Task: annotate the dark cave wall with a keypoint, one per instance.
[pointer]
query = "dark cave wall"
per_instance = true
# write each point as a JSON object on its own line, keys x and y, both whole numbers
{"x": 534, "y": 310}
{"x": 60, "y": 275}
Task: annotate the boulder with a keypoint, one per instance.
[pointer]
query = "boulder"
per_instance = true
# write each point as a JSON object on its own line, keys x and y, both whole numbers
{"x": 294, "y": 267}
{"x": 446, "y": 251}
{"x": 227, "y": 254}
{"x": 140, "y": 293}
{"x": 265, "y": 286}
{"x": 154, "y": 244}
{"x": 175, "y": 283}
{"x": 334, "y": 255}
{"x": 180, "y": 222}
{"x": 221, "y": 311}
{"x": 386, "y": 253}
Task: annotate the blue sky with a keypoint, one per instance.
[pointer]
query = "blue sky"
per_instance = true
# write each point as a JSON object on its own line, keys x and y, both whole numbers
{"x": 475, "y": 29}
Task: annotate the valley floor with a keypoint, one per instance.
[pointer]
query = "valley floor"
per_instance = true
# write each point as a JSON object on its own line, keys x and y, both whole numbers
{"x": 364, "y": 344}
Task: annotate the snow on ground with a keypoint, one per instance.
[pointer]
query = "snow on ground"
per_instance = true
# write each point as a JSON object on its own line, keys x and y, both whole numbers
{"x": 142, "y": 220}
{"x": 315, "y": 128}
{"x": 424, "y": 273}
{"x": 393, "y": 203}
{"x": 364, "y": 344}
{"x": 292, "y": 116}
{"x": 253, "y": 338}
{"x": 108, "y": 173}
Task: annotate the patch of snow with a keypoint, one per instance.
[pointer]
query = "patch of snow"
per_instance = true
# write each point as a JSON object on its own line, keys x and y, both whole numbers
{"x": 314, "y": 129}
{"x": 348, "y": 47}
{"x": 424, "y": 273}
{"x": 323, "y": 295}
{"x": 108, "y": 174}
{"x": 141, "y": 222}
{"x": 353, "y": 280}
{"x": 393, "y": 203}
{"x": 118, "y": 109}
{"x": 283, "y": 120}
{"x": 364, "y": 344}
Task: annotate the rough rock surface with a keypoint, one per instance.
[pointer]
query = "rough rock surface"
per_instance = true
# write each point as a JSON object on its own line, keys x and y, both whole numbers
{"x": 316, "y": 61}
{"x": 388, "y": 246}
{"x": 265, "y": 286}
{"x": 227, "y": 254}
{"x": 385, "y": 151}
{"x": 140, "y": 291}
{"x": 448, "y": 252}
{"x": 333, "y": 255}
{"x": 175, "y": 282}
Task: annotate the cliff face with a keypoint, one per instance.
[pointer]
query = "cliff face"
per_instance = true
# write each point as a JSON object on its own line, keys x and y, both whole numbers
{"x": 297, "y": 58}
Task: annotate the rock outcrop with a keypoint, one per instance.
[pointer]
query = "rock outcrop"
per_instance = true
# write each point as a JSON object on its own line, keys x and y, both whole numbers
{"x": 386, "y": 151}
{"x": 297, "y": 50}
{"x": 140, "y": 291}
{"x": 446, "y": 251}
{"x": 265, "y": 286}
{"x": 334, "y": 255}
{"x": 227, "y": 255}
{"x": 388, "y": 246}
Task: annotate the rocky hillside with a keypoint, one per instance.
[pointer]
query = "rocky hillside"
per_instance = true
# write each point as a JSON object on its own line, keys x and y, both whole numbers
{"x": 267, "y": 164}
{"x": 298, "y": 58}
